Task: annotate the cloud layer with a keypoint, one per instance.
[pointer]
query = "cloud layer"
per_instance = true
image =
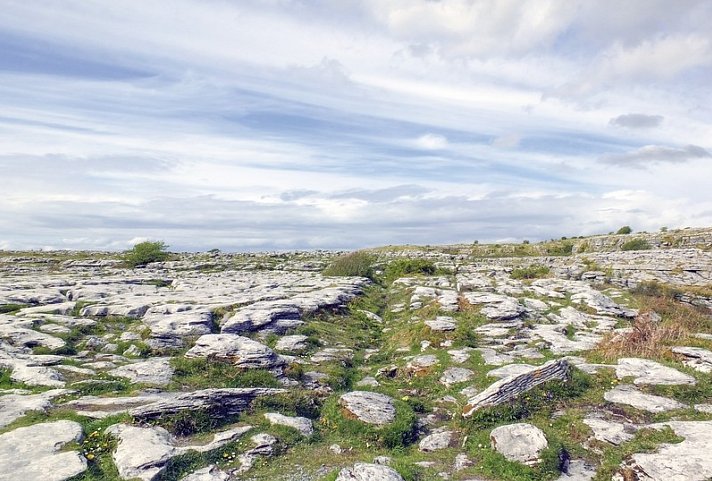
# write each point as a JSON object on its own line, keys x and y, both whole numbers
{"x": 292, "y": 124}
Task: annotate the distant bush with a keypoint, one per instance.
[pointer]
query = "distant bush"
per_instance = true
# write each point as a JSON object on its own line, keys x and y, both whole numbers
{"x": 405, "y": 267}
{"x": 531, "y": 272}
{"x": 636, "y": 245}
{"x": 624, "y": 230}
{"x": 565, "y": 248}
{"x": 354, "y": 264}
{"x": 144, "y": 253}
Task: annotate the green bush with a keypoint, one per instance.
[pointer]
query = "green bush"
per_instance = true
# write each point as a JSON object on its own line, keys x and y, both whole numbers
{"x": 624, "y": 230}
{"x": 636, "y": 245}
{"x": 565, "y": 248}
{"x": 405, "y": 267}
{"x": 144, "y": 253}
{"x": 533, "y": 271}
{"x": 354, "y": 264}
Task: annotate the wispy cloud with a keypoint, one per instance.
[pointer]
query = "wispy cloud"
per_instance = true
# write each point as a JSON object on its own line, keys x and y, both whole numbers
{"x": 637, "y": 121}
{"x": 654, "y": 154}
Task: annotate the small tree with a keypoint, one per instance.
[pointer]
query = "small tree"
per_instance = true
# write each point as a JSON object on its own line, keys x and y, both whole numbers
{"x": 146, "y": 252}
{"x": 624, "y": 230}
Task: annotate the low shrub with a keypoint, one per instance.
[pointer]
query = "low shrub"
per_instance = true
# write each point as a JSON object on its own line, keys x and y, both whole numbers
{"x": 624, "y": 230}
{"x": 533, "y": 271}
{"x": 354, "y": 264}
{"x": 406, "y": 267}
{"x": 636, "y": 245}
{"x": 145, "y": 253}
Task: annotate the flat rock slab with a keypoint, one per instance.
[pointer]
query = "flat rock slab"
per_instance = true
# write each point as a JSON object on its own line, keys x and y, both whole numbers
{"x": 143, "y": 452}
{"x": 369, "y": 407}
{"x": 646, "y": 371}
{"x": 33, "y": 375}
{"x": 219, "y": 402}
{"x": 695, "y": 357}
{"x": 689, "y": 460}
{"x": 441, "y": 324}
{"x": 14, "y": 406}
{"x": 519, "y": 442}
{"x": 628, "y": 394}
{"x": 295, "y": 343}
{"x": 436, "y": 441}
{"x": 510, "y": 370}
{"x": 239, "y": 350}
{"x": 454, "y": 375}
{"x": 303, "y": 425}
{"x": 609, "y": 431}
{"x": 210, "y": 473}
{"x": 369, "y": 472}
{"x": 331, "y": 354}
{"x": 156, "y": 372}
{"x": 579, "y": 470}
{"x": 35, "y": 452}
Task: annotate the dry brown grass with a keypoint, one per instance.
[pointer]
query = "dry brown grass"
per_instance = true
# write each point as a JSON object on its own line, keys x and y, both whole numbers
{"x": 651, "y": 338}
{"x": 648, "y": 338}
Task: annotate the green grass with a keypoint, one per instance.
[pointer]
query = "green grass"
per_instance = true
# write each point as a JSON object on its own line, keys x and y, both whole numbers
{"x": 201, "y": 373}
{"x": 534, "y": 271}
{"x": 11, "y": 308}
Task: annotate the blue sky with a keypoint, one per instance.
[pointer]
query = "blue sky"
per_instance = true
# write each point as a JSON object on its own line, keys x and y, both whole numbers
{"x": 283, "y": 124}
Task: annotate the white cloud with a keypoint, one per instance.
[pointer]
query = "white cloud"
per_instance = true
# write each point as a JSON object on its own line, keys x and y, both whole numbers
{"x": 507, "y": 141}
{"x": 431, "y": 142}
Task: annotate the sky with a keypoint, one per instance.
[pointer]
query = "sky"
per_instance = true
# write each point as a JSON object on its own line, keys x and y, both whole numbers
{"x": 304, "y": 124}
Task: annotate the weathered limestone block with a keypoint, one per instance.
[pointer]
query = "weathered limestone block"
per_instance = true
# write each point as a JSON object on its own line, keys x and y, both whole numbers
{"x": 220, "y": 402}
{"x": 511, "y": 387}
